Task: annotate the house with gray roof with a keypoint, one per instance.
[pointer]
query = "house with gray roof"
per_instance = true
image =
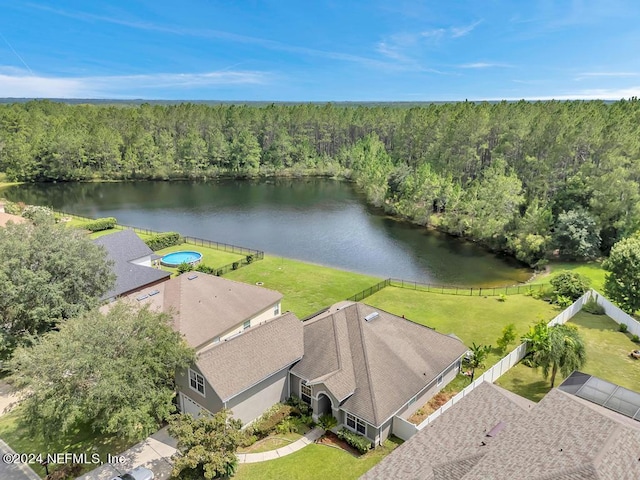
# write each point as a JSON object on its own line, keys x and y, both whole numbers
{"x": 132, "y": 263}
{"x": 366, "y": 366}
{"x": 244, "y": 345}
{"x": 492, "y": 433}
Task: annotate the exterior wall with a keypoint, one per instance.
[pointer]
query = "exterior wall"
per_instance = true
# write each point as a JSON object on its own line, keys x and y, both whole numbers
{"x": 294, "y": 385}
{"x": 252, "y": 403}
{"x": 429, "y": 391}
{"x": 210, "y": 400}
{"x": 138, "y": 289}
{"x": 145, "y": 261}
{"x": 256, "y": 320}
{"x": 385, "y": 430}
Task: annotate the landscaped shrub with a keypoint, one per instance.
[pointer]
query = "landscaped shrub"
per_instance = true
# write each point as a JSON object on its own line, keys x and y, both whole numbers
{"x": 303, "y": 424}
{"x": 247, "y": 440}
{"x": 635, "y": 338}
{"x": 163, "y": 240}
{"x": 235, "y": 265}
{"x": 38, "y": 214}
{"x": 205, "y": 269}
{"x": 502, "y": 297}
{"x": 249, "y": 259}
{"x": 327, "y": 421}
{"x": 68, "y": 471}
{"x": 300, "y": 408}
{"x": 570, "y": 284}
{"x": 286, "y": 426}
{"x": 360, "y": 443}
{"x": 272, "y": 417}
{"x": 563, "y": 301}
{"x": 592, "y": 307}
{"x": 13, "y": 208}
{"x": 184, "y": 267}
{"x": 623, "y": 328}
{"x": 99, "y": 224}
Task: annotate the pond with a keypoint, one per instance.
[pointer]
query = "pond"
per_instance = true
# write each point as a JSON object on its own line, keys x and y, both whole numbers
{"x": 316, "y": 220}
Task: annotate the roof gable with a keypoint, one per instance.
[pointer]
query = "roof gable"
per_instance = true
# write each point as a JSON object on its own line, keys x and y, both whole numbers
{"x": 235, "y": 365}
{"x": 377, "y": 365}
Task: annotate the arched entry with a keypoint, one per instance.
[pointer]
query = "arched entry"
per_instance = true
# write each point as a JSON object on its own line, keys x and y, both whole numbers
{"x": 324, "y": 405}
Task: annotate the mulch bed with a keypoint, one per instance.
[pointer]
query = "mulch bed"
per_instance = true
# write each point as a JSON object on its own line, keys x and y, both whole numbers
{"x": 331, "y": 439}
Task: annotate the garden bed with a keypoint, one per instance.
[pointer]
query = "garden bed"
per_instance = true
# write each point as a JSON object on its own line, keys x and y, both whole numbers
{"x": 431, "y": 406}
{"x": 331, "y": 439}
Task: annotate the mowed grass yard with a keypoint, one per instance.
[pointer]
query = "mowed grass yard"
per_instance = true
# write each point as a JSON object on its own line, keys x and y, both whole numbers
{"x": 306, "y": 287}
{"x": 315, "y": 462}
{"x": 82, "y": 440}
{"x": 607, "y": 357}
{"x": 472, "y": 319}
{"x": 211, "y": 257}
{"x": 592, "y": 270}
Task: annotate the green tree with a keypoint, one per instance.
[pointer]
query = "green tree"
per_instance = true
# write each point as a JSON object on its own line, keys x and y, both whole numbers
{"x": 507, "y": 338}
{"x": 576, "y": 235}
{"x": 477, "y": 358}
{"x": 570, "y": 284}
{"x": 112, "y": 371}
{"x": 49, "y": 273}
{"x": 207, "y": 445}
{"x": 622, "y": 283}
{"x": 563, "y": 351}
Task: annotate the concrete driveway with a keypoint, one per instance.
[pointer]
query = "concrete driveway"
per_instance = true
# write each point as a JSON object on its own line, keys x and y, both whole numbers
{"x": 154, "y": 453}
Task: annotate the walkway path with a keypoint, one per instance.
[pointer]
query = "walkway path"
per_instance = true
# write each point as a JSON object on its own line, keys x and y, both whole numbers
{"x": 308, "y": 438}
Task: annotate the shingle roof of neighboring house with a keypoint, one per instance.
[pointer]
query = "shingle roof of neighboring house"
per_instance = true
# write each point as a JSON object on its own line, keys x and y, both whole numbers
{"x": 563, "y": 437}
{"x": 207, "y": 306}
{"x": 7, "y": 217}
{"x": 123, "y": 247}
{"x": 377, "y": 366}
{"x": 233, "y": 366}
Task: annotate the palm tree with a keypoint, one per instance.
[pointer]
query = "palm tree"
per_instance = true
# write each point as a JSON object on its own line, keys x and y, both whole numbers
{"x": 478, "y": 356}
{"x": 563, "y": 350}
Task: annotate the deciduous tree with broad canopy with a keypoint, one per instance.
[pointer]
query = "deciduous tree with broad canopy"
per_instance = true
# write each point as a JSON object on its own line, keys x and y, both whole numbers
{"x": 112, "y": 371}
{"x": 207, "y": 445}
{"x": 622, "y": 283}
{"x": 48, "y": 273}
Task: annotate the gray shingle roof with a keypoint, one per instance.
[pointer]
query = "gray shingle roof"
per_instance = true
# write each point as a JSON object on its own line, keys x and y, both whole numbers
{"x": 208, "y": 306}
{"x": 563, "y": 437}
{"x": 123, "y": 247}
{"x": 376, "y": 366}
{"x": 237, "y": 364}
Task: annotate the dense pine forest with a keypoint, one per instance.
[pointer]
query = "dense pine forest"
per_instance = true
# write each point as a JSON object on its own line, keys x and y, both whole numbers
{"x": 531, "y": 179}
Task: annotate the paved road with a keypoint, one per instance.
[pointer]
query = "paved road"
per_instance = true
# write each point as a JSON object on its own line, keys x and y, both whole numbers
{"x": 14, "y": 471}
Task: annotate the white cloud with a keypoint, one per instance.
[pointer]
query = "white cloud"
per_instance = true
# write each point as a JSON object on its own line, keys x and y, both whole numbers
{"x": 18, "y": 84}
{"x": 483, "y": 65}
{"x": 585, "y": 75}
{"x": 593, "y": 94}
{"x": 465, "y": 30}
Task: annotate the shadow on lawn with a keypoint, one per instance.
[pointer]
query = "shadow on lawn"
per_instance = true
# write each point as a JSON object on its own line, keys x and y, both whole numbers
{"x": 534, "y": 391}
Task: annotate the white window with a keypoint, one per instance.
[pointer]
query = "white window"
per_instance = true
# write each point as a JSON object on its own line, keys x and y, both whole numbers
{"x": 276, "y": 310}
{"x": 305, "y": 392}
{"x": 216, "y": 340}
{"x": 413, "y": 400}
{"x": 196, "y": 381}
{"x": 246, "y": 324}
{"x": 354, "y": 423}
{"x": 439, "y": 381}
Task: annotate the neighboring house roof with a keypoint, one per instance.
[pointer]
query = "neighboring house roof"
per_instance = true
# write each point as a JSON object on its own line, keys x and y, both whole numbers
{"x": 562, "y": 437}
{"x": 122, "y": 248}
{"x": 205, "y": 306}
{"x": 373, "y": 367}
{"x": 233, "y": 366}
{"x": 7, "y": 217}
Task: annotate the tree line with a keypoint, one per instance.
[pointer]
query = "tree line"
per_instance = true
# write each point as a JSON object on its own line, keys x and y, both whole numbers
{"x": 533, "y": 179}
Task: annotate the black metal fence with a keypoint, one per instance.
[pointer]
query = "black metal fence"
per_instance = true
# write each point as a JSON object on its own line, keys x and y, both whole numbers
{"x": 370, "y": 291}
{"x": 468, "y": 291}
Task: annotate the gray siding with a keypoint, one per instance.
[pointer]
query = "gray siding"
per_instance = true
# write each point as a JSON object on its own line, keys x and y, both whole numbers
{"x": 385, "y": 431}
{"x": 252, "y": 403}
{"x": 210, "y": 400}
{"x": 295, "y": 385}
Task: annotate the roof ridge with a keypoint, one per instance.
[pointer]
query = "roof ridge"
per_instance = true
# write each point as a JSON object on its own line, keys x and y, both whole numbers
{"x": 366, "y": 365}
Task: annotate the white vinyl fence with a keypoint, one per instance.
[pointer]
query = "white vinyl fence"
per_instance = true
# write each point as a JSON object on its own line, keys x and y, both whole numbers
{"x": 617, "y": 315}
{"x": 503, "y": 365}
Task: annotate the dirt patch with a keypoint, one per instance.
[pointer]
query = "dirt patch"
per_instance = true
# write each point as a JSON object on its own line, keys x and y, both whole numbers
{"x": 431, "y": 406}
{"x": 331, "y": 439}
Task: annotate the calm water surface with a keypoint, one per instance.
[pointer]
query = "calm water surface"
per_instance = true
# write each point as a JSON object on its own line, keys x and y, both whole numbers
{"x": 315, "y": 220}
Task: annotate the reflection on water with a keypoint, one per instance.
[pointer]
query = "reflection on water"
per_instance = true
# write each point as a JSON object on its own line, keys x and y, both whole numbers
{"x": 316, "y": 220}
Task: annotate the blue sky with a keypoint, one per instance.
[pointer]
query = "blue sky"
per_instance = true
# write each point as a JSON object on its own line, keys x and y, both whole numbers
{"x": 322, "y": 50}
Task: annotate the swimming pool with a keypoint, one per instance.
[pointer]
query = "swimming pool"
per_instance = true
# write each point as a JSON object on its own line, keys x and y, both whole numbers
{"x": 176, "y": 258}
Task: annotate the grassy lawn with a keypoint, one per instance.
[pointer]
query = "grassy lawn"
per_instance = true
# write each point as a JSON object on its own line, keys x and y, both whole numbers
{"x": 80, "y": 441}
{"x": 472, "y": 319}
{"x": 315, "y": 462}
{"x": 592, "y": 270}
{"x": 607, "y": 358}
{"x": 306, "y": 287}
{"x": 272, "y": 442}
